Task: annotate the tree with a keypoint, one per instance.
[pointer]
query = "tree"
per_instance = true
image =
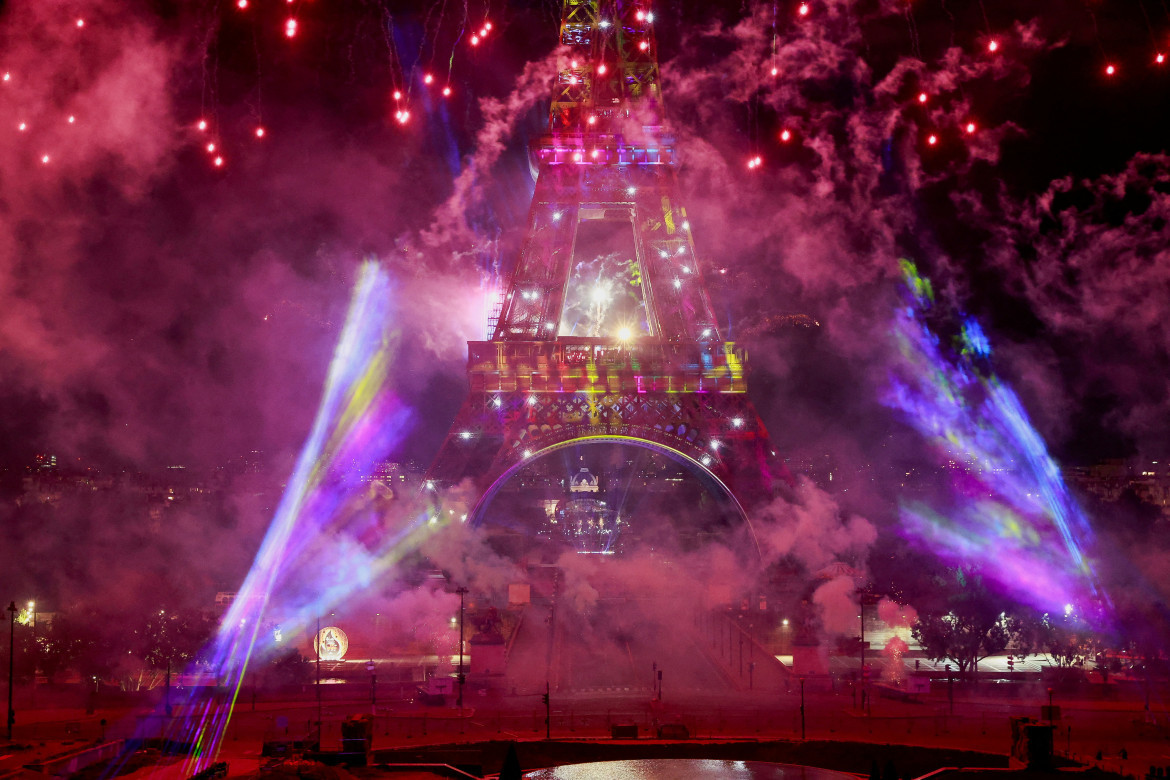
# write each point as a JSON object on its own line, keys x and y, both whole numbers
{"x": 170, "y": 638}
{"x": 968, "y": 625}
{"x": 1064, "y": 641}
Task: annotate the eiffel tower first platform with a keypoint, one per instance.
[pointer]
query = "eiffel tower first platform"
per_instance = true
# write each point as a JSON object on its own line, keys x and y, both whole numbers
{"x": 586, "y": 348}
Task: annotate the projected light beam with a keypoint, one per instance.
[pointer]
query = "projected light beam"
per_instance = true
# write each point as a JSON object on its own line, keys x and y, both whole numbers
{"x": 1009, "y": 511}
{"x": 328, "y": 538}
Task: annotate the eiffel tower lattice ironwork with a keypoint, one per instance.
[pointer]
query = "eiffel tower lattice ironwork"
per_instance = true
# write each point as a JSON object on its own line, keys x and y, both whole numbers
{"x": 581, "y": 350}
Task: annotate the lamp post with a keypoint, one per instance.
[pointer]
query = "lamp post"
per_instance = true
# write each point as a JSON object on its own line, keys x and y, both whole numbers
{"x": 11, "y": 654}
{"x": 802, "y": 708}
{"x": 32, "y": 607}
{"x": 462, "y": 591}
{"x": 317, "y": 648}
{"x": 373, "y": 686}
{"x": 950, "y": 687}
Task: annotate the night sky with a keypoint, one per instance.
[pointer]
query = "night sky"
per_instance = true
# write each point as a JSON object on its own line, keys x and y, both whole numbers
{"x": 159, "y": 309}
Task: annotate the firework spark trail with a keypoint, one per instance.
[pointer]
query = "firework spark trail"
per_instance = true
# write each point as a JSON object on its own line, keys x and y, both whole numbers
{"x": 1010, "y": 511}
{"x": 325, "y": 541}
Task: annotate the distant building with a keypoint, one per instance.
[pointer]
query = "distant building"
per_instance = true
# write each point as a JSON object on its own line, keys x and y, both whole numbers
{"x": 585, "y": 519}
{"x": 1110, "y": 479}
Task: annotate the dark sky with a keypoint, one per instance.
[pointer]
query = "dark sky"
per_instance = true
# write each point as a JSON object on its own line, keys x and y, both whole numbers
{"x": 156, "y": 309}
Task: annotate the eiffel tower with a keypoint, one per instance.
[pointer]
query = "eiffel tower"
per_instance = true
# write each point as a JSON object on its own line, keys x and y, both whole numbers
{"x": 590, "y": 345}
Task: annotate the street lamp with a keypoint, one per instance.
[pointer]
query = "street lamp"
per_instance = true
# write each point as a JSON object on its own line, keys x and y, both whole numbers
{"x": 11, "y": 654}
{"x": 317, "y": 649}
{"x": 802, "y": 708}
{"x": 32, "y": 607}
{"x": 462, "y": 591}
{"x": 950, "y": 687}
{"x": 373, "y": 686}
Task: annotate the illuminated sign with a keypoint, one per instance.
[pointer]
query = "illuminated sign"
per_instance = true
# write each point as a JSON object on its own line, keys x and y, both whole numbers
{"x": 331, "y": 643}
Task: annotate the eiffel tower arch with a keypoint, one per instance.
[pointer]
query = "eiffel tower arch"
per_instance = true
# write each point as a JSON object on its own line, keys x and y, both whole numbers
{"x": 587, "y": 348}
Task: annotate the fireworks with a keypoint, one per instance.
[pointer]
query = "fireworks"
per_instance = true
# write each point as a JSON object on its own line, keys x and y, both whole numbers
{"x": 444, "y": 38}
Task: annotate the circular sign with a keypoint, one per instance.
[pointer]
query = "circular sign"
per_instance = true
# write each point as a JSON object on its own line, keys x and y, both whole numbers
{"x": 331, "y": 643}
